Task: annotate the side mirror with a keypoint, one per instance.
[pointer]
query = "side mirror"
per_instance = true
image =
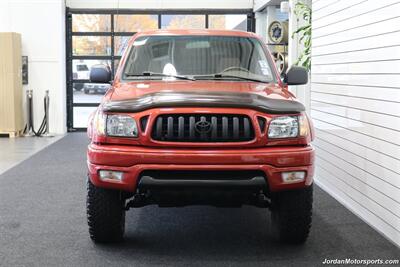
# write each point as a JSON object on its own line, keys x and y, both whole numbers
{"x": 296, "y": 76}
{"x": 100, "y": 74}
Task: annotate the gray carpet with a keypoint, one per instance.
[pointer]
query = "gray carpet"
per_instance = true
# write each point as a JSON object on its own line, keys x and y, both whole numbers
{"x": 42, "y": 223}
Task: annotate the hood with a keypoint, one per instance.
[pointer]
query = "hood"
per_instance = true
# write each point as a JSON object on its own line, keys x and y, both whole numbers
{"x": 132, "y": 90}
{"x": 135, "y": 97}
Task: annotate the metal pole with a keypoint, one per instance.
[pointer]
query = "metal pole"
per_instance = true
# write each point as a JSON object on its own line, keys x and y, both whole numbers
{"x": 46, "y": 112}
{"x": 29, "y": 113}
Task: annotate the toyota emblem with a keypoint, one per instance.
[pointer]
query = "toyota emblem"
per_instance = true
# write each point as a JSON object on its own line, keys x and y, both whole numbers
{"x": 202, "y": 126}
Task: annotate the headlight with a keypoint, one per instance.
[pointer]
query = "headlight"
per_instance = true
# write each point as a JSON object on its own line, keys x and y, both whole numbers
{"x": 121, "y": 125}
{"x": 284, "y": 127}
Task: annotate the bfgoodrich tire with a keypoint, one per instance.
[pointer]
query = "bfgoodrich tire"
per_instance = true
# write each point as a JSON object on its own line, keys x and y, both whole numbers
{"x": 291, "y": 214}
{"x": 105, "y": 214}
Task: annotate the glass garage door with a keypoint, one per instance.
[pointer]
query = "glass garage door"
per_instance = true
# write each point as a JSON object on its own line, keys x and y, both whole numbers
{"x": 100, "y": 37}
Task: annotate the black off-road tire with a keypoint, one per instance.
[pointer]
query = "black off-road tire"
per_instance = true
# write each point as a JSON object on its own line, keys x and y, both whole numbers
{"x": 291, "y": 215}
{"x": 105, "y": 214}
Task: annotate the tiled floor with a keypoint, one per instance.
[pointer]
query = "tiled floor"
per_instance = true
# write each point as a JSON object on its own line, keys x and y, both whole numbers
{"x": 15, "y": 150}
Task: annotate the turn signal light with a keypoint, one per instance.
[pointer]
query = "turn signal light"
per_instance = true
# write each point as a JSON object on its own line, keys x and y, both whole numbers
{"x": 293, "y": 177}
{"x": 304, "y": 126}
{"x": 110, "y": 175}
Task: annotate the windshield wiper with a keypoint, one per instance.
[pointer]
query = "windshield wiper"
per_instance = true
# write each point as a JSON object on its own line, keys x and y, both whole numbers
{"x": 150, "y": 73}
{"x": 222, "y": 75}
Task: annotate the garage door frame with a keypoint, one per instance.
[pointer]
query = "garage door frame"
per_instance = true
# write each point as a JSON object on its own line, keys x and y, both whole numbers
{"x": 112, "y": 57}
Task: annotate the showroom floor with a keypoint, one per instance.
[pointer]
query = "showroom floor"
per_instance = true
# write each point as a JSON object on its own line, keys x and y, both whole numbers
{"x": 42, "y": 223}
{"x": 16, "y": 150}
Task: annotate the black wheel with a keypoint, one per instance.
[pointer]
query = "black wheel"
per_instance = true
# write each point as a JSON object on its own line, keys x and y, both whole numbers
{"x": 291, "y": 214}
{"x": 105, "y": 214}
{"x": 86, "y": 91}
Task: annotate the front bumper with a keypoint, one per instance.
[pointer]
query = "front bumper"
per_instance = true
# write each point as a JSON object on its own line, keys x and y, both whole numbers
{"x": 133, "y": 160}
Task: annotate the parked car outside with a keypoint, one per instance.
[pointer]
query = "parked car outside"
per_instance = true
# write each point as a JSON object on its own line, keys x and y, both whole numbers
{"x": 80, "y": 71}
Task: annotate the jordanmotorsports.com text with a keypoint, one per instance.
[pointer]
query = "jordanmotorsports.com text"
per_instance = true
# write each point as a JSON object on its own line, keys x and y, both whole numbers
{"x": 360, "y": 261}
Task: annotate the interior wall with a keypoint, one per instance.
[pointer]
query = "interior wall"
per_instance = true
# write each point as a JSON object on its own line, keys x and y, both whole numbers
{"x": 41, "y": 24}
{"x": 355, "y": 106}
{"x": 261, "y": 16}
{"x": 261, "y": 24}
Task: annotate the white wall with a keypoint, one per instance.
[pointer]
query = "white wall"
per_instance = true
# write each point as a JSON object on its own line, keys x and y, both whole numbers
{"x": 261, "y": 24}
{"x": 295, "y": 48}
{"x": 259, "y": 5}
{"x": 264, "y": 17}
{"x": 265, "y": 13}
{"x": 355, "y": 105}
{"x": 162, "y": 4}
{"x": 41, "y": 24}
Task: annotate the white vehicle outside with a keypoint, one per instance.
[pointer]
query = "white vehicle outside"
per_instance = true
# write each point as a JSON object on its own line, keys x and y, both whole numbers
{"x": 80, "y": 71}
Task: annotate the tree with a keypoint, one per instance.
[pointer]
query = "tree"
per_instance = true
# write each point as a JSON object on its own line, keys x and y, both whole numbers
{"x": 91, "y": 45}
{"x": 217, "y": 22}
{"x": 91, "y": 23}
{"x": 187, "y": 22}
{"x": 101, "y": 45}
{"x": 135, "y": 23}
{"x": 304, "y": 11}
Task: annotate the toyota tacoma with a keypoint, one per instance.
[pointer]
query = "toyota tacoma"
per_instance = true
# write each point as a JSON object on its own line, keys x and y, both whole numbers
{"x": 199, "y": 117}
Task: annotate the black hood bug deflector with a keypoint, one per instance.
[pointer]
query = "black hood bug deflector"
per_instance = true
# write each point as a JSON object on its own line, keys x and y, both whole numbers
{"x": 204, "y": 99}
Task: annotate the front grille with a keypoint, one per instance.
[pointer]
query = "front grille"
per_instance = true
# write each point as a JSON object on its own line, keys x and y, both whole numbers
{"x": 203, "y": 128}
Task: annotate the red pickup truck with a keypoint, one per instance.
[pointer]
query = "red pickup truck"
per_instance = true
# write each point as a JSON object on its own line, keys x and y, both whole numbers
{"x": 199, "y": 117}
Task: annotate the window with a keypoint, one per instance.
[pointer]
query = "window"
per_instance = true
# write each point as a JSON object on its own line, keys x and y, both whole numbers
{"x": 81, "y": 116}
{"x": 183, "y": 22}
{"x": 103, "y": 38}
{"x": 120, "y": 43}
{"x": 135, "y": 23}
{"x": 198, "y": 56}
{"x": 91, "y": 45}
{"x": 228, "y": 22}
{"x": 91, "y": 23}
{"x": 82, "y": 67}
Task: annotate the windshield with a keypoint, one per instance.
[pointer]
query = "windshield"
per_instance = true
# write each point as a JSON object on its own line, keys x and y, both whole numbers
{"x": 81, "y": 68}
{"x": 199, "y": 57}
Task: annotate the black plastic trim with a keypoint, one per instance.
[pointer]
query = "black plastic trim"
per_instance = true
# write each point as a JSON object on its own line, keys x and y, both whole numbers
{"x": 205, "y": 99}
{"x": 147, "y": 182}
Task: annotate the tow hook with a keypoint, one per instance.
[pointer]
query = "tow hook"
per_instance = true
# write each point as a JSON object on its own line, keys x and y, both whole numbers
{"x": 262, "y": 201}
{"x": 138, "y": 200}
